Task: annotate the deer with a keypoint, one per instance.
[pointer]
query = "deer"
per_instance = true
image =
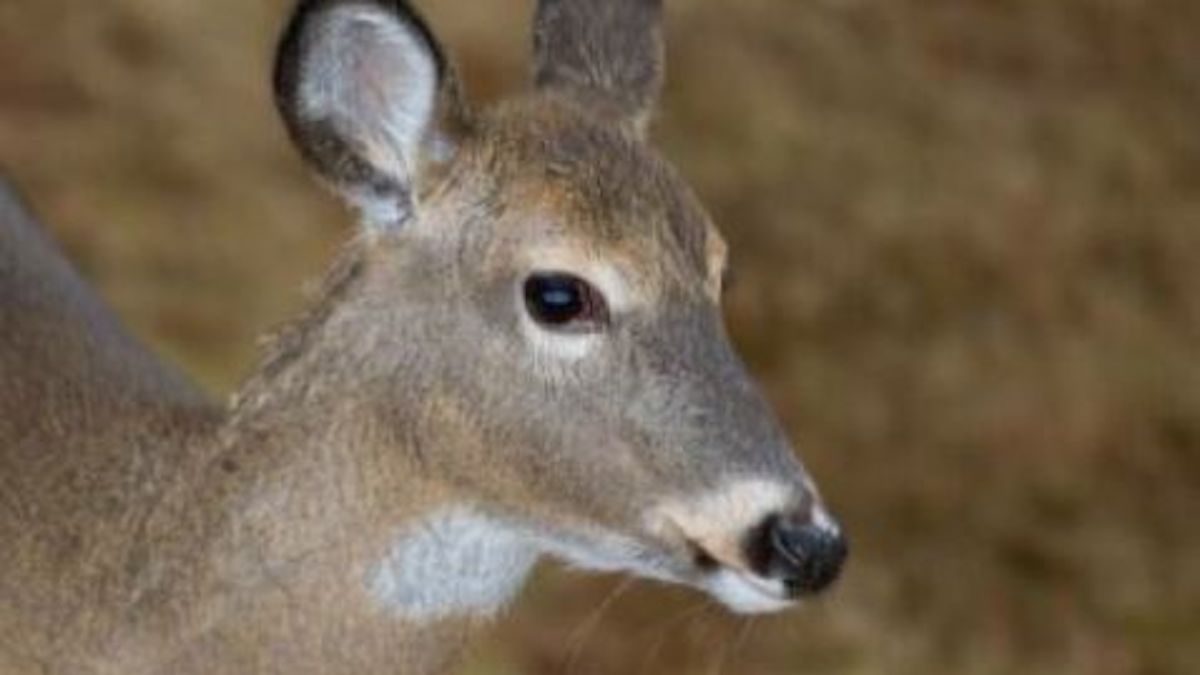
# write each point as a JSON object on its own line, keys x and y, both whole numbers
{"x": 520, "y": 354}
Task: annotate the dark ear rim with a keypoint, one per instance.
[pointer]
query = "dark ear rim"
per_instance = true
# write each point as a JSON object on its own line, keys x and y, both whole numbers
{"x": 335, "y": 158}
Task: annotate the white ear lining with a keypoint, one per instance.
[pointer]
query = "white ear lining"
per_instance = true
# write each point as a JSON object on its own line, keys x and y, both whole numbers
{"x": 375, "y": 80}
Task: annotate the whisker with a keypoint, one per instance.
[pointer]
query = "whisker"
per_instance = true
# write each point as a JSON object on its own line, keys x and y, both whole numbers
{"x": 690, "y": 614}
{"x": 735, "y": 645}
{"x": 578, "y": 638}
{"x": 718, "y": 663}
{"x": 744, "y": 635}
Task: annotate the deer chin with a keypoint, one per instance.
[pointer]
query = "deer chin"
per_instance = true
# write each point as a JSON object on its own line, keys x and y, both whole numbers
{"x": 744, "y": 593}
{"x": 739, "y": 590}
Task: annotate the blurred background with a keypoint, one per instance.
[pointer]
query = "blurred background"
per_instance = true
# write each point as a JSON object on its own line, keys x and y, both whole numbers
{"x": 967, "y": 244}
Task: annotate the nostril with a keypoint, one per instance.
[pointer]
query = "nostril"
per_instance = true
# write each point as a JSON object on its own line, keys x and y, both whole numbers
{"x": 805, "y": 556}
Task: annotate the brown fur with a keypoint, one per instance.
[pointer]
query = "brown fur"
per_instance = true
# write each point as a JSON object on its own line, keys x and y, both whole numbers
{"x": 148, "y": 531}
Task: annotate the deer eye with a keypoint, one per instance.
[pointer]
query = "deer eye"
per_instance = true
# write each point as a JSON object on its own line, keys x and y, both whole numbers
{"x": 565, "y": 302}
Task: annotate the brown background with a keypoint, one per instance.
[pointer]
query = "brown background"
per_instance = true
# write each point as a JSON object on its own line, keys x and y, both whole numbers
{"x": 967, "y": 237}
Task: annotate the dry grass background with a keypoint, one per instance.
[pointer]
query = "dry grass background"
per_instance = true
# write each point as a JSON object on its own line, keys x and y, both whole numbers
{"x": 967, "y": 235}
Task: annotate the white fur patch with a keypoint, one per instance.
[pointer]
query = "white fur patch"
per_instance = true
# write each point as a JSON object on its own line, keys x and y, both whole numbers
{"x": 459, "y": 562}
{"x": 559, "y": 346}
{"x": 454, "y": 563}
{"x": 747, "y": 594}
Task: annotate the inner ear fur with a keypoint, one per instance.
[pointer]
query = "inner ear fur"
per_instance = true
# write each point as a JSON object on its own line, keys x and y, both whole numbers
{"x": 370, "y": 100}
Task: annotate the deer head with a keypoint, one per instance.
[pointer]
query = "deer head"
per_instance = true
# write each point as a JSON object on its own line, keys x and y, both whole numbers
{"x": 532, "y": 320}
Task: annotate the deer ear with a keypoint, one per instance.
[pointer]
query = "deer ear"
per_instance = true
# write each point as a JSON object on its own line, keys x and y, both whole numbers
{"x": 607, "y": 54}
{"x": 369, "y": 100}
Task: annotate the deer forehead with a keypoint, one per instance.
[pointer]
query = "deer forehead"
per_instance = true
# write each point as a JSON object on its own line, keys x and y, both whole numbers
{"x": 620, "y": 190}
{"x": 590, "y": 185}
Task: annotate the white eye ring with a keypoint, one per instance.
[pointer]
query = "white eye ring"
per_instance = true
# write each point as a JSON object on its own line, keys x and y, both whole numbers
{"x": 555, "y": 344}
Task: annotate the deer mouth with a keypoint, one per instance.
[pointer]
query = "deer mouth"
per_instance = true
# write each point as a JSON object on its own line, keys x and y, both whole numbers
{"x": 739, "y": 589}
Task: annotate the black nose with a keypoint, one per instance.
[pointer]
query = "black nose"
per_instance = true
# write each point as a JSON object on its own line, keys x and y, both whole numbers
{"x": 806, "y": 557}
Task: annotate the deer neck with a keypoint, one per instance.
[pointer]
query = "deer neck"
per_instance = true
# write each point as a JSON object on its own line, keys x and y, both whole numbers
{"x": 326, "y": 483}
{"x": 314, "y": 504}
